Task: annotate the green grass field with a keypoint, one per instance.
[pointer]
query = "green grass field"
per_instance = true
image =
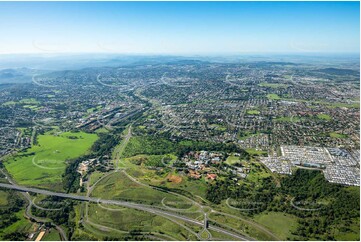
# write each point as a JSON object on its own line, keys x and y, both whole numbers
{"x": 43, "y": 164}
{"x": 118, "y": 186}
{"x": 232, "y": 160}
{"x": 241, "y": 225}
{"x": 152, "y": 177}
{"x": 218, "y": 127}
{"x": 22, "y": 225}
{"x": 337, "y": 135}
{"x": 352, "y": 235}
{"x": 253, "y": 112}
{"x": 273, "y": 96}
{"x": 95, "y": 176}
{"x": 281, "y": 224}
{"x": 256, "y": 152}
{"x": 257, "y": 173}
{"x": 324, "y": 117}
{"x": 3, "y": 198}
{"x": 345, "y": 105}
{"x": 52, "y": 236}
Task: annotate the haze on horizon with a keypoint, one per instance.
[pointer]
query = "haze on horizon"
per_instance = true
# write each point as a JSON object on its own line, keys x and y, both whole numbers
{"x": 179, "y": 27}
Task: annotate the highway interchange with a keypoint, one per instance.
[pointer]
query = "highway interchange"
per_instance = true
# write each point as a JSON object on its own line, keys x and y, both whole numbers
{"x": 132, "y": 205}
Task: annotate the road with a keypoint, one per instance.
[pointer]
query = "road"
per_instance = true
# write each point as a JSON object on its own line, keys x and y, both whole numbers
{"x": 119, "y": 150}
{"x": 141, "y": 207}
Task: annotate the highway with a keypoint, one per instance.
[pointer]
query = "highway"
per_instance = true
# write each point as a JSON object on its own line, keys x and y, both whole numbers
{"x": 28, "y": 213}
{"x": 141, "y": 207}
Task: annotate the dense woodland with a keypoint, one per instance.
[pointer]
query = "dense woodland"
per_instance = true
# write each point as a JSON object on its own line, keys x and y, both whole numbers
{"x": 337, "y": 206}
{"x": 161, "y": 145}
{"x": 64, "y": 216}
{"x": 8, "y": 215}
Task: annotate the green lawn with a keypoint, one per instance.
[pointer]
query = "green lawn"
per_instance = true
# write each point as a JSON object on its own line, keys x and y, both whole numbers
{"x": 281, "y": 224}
{"x": 29, "y": 101}
{"x": 273, "y": 96}
{"x": 337, "y": 135}
{"x": 9, "y": 103}
{"x": 232, "y": 160}
{"x": 324, "y": 117}
{"x": 253, "y": 112}
{"x": 43, "y": 164}
{"x": 346, "y": 105}
{"x": 218, "y": 127}
{"x": 256, "y": 152}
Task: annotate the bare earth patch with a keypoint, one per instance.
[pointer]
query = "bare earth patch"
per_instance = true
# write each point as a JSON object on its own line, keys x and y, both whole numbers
{"x": 174, "y": 179}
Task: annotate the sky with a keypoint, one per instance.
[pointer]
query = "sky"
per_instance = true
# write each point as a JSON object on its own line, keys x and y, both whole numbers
{"x": 179, "y": 27}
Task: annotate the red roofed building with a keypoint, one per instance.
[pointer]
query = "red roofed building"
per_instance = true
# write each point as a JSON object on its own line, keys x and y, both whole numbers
{"x": 211, "y": 176}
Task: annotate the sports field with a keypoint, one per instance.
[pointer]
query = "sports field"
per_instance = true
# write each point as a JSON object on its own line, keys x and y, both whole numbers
{"x": 43, "y": 164}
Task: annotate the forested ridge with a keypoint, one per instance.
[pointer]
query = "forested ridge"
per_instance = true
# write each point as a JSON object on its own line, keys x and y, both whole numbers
{"x": 324, "y": 209}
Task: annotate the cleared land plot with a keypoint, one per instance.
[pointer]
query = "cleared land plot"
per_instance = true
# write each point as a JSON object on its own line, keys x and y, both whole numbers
{"x": 43, "y": 164}
{"x": 119, "y": 186}
{"x": 186, "y": 186}
{"x": 165, "y": 178}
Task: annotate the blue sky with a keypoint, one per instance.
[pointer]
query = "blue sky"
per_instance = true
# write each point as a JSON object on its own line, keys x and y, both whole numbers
{"x": 179, "y": 27}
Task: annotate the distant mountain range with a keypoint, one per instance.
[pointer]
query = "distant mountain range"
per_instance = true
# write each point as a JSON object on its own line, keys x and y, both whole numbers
{"x": 18, "y": 75}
